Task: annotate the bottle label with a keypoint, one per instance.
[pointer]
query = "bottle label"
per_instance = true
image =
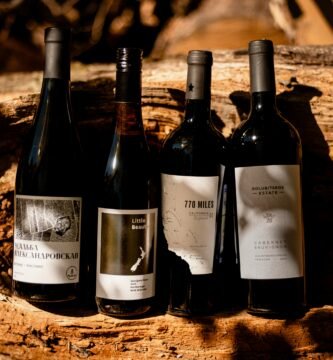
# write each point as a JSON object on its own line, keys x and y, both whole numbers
{"x": 189, "y": 206}
{"x": 269, "y": 214}
{"x": 126, "y": 252}
{"x": 47, "y": 239}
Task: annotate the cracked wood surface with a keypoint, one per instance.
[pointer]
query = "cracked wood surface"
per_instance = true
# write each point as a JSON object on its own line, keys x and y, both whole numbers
{"x": 29, "y": 332}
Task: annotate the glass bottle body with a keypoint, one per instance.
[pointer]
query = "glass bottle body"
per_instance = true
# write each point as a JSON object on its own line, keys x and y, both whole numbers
{"x": 267, "y": 148}
{"x": 48, "y": 174}
{"x": 128, "y": 190}
{"x": 192, "y": 155}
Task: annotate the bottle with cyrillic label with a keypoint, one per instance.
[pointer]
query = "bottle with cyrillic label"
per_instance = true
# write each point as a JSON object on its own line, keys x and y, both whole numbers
{"x": 193, "y": 161}
{"x": 127, "y": 209}
{"x": 267, "y": 159}
{"x": 48, "y": 194}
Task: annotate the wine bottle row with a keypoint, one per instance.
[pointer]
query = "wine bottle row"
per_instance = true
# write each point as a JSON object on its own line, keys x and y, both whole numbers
{"x": 195, "y": 230}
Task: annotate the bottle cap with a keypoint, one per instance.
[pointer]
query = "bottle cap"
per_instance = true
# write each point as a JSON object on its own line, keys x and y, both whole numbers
{"x": 261, "y": 56}
{"x": 57, "y": 53}
{"x": 200, "y": 57}
{"x": 199, "y": 74}
{"x": 128, "y": 77}
{"x": 57, "y": 34}
{"x": 261, "y": 46}
{"x": 129, "y": 59}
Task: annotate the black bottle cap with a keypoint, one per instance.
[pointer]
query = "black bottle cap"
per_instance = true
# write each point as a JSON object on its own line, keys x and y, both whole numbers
{"x": 128, "y": 77}
{"x": 261, "y": 56}
{"x": 129, "y": 59}
{"x": 261, "y": 46}
{"x": 57, "y": 53}
{"x": 57, "y": 34}
{"x": 199, "y": 74}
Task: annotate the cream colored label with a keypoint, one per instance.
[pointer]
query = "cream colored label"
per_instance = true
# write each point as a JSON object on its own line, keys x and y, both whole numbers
{"x": 269, "y": 216}
{"x": 189, "y": 206}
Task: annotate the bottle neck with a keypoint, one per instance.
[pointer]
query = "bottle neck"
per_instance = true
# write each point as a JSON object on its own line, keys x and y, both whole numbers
{"x": 262, "y": 76}
{"x": 197, "y": 112}
{"x": 55, "y": 90}
{"x": 263, "y": 102}
{"x": 262, "y": 81}
{"x": 128, "y": 102}
{"x": 128, "y": 118}
{"x": 128, "y": 86}
{"x": 57, "y": 61}
{"x": 197, "y": 105}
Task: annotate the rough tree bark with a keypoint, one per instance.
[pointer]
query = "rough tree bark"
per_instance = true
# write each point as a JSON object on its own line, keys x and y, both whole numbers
{"x": 304, "y": 82}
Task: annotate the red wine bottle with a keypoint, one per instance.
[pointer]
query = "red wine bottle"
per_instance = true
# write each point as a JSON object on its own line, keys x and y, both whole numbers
{"x": 48, "y": 195}
{"x": 127, "y": 210}
{"x": 192, "y": 166}
{"x": 267, "y": 158}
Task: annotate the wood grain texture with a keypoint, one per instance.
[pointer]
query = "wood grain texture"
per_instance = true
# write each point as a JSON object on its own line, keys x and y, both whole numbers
{"x": 304, "y": 78}
{"x": 35, "y": 333}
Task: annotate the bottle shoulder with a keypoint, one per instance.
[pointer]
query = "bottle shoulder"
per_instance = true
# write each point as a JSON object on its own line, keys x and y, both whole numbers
{"x": 129, "y": 159}
{"x": 183, "y": 136}
{"x": 266, "y": 141}
{"x": 50, "y": 141}
{"x": 271, "y": 127}
{"x": 193, "y": 153}
{"x": 50, "y": 158}
{"x": 129, "y": 180}
{"x": 53, "y": 118}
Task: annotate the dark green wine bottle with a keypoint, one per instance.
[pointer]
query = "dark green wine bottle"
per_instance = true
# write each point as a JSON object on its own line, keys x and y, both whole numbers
{"x": 127, "y": 209}
{"x": 267, "y": 158}
{"x": 193, "y": 160}
{"x": 48, "y": 194}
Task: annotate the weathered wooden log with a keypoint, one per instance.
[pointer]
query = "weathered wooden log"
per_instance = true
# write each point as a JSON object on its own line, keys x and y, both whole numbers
{"x": 29, "y": 332}
{"x": 304, "y": 83}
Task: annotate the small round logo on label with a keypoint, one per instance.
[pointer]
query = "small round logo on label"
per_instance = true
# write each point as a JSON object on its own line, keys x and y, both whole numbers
{"x": 71, "y": 273}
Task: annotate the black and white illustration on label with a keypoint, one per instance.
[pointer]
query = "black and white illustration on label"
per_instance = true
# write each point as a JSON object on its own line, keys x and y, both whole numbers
{"x": 135, "y": 266}
{"x": 47, "y": 239}
{"x": 189, "y": 219}
{"x": 126, "y": 253}
{"x": 47, "y": 219}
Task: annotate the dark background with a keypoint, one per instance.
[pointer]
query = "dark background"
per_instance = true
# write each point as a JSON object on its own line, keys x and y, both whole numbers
{"x": 98, "y": 27}
{"x": 159, "y": 27}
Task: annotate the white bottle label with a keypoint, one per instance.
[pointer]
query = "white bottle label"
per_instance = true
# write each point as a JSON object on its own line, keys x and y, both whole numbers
{"x": 47, "y": 239}
{"x": 269, "y": 216}
{"x": 126, "y": 253}
{"x": 189, "y": 207}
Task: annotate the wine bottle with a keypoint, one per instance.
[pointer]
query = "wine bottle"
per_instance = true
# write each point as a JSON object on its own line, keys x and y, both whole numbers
{"x": 48, "y": 194}
{"x": 267, "y": 159}
{"x": 127, "y": 209}
{"x": 192, "y": 164}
